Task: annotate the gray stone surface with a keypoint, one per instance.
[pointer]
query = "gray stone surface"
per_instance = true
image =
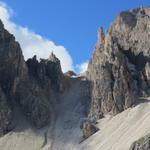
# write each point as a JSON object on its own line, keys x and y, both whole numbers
{"x": 88, "y": 129}
{"x": 30, "y": 84}
{"x": 12, "y": 69}
{"x": 141, "y": 144}
{"x": 5, "y": 114}
{"x": 119, "y": 68}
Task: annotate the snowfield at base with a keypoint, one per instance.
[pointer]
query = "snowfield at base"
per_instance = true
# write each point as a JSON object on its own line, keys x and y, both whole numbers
{"x": 116, "y": 133}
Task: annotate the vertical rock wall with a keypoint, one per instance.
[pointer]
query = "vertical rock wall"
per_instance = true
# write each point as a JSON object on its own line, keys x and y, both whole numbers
{"x": 118, "y": 71}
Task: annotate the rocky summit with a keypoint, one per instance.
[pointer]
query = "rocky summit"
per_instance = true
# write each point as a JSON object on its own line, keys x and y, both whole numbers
{"x": 106, "y": 108}
{"x": 29, "y": 84}
{"x": 120, "y": 65}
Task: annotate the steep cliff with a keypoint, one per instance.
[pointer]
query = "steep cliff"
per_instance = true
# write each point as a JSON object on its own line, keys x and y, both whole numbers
{"x": 31, "y": 85}
{"x": 119, "y": 68}
{"x": 12, "y": 69}
{"x": 118, "y": 76}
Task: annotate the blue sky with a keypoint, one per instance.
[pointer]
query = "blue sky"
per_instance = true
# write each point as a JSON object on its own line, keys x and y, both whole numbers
{"x": 71, "y": 23}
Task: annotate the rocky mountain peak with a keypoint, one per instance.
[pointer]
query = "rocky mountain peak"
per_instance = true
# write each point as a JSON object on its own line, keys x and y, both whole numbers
{"x": 101, "y": 35}
{"x": 53, "y": 58}
{"x": 29, "y": 84}
{"x": 118, "y": 76}
{"x": 117, "y": 69}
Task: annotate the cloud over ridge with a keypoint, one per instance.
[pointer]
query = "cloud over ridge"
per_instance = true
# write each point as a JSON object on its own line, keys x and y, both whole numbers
{"x": 82, "y": 67}
{"x": 32, "y": 43}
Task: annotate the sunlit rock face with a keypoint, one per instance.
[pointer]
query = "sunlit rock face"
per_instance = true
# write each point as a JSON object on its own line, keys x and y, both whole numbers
{"x": 119, "y": 67}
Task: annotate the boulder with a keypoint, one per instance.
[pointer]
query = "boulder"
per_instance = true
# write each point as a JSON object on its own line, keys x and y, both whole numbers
{"x": 88, "y": 129}
{"x": 141, "y": 144}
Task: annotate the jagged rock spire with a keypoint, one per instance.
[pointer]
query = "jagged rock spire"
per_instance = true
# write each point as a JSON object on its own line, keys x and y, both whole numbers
{"x": 53, "y": 58}
{"x": 101, "y": 35}
{"x": 114, "y": 82}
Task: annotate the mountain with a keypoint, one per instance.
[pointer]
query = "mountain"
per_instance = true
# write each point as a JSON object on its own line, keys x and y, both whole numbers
{"x": 106, "y": 109}
{"x": 119, "y": 74}
{"x": 119, "y": 67}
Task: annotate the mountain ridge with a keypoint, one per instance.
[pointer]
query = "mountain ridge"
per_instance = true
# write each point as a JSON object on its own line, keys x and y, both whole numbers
{"x": 57, "y": 107}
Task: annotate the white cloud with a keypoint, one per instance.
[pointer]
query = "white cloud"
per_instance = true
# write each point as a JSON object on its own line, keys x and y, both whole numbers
{"x": 32, "y": 43}
{"x": 82, "y": 67}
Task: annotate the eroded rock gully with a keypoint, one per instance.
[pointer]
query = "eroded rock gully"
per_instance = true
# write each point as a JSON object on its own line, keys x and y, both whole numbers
{"x": 118, "y": 75}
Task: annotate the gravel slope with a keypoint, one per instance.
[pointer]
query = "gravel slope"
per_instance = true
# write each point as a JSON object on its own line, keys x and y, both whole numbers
{"x": 64, "y": 131}
{"x": 119, "y": 132}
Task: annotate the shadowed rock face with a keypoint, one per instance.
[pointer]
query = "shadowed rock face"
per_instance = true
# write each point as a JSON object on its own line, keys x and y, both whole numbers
{"x": 43, "y": 81}
{"x": 119, "y": 68}
{"x": 12, "y": 69}
{"x": 31, "y": 84}
{"x": 118, "y": 73}
{"x": 46, "y": 70}
{"x": 5, "y": 114}
{"x": 12, "y": 65}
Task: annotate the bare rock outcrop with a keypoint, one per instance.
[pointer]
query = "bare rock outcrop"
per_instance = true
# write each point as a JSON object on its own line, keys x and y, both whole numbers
{"x": 43, "y": 81}
{"x": 118, "y": 71}
{"x": 141, "y": 144}
{"x": 5, "y": 114}
{"x": 30, "y": 84}
{"x": 12, "y": 70}
{"x": 88, "y": 128}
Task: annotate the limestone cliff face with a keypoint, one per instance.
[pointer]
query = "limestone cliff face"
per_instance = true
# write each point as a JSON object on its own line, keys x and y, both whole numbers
{"x": 118, "y": 74}
{"x": 43, "y": 81}
{"x": 12, "y": 69}
{"x": 31, "y": 84}
{"x": 119, "y": 68}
